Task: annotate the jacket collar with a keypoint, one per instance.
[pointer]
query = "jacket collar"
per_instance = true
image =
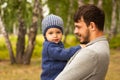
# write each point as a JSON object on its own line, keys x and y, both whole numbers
{"x": 101, "y": 38}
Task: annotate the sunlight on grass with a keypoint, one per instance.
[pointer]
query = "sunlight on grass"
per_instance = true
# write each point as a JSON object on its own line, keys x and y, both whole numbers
{"x": 114, "y": 67}
{"x": 20, "y": 72}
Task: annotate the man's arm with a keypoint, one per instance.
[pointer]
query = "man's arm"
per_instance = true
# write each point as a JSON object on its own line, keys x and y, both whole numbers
{"x": 82, "y": 66}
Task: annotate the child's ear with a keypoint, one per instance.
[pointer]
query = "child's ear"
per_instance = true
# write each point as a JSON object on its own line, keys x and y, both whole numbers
{"x": 45, "y": 38}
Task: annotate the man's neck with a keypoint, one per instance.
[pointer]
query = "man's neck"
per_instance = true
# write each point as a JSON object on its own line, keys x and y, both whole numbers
{"x": 96, "y": 35}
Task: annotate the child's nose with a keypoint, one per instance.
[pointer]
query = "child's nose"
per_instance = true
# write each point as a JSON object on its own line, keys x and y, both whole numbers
{"x": 55, "y": 35}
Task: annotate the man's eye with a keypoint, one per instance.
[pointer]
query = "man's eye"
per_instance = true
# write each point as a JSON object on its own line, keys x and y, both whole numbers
{"x": 78, "y": 27}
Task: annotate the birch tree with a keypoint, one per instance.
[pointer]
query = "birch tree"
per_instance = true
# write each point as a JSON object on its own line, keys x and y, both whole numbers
{"x": 33, "y": 31}
{"x": 99, "y": 4}
{"x": 23, "y": 56}
{"x": 80, "y": 3}
{"x": 67, "y": 29}
{"x": 113, "y": 29}
{"x": 8, "y": 43}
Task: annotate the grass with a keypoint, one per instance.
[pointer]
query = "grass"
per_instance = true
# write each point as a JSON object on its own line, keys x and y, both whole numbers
{"x": 32, "y": 72}
{"x": 20, "y": 72}
{"x": 114, "y": 67}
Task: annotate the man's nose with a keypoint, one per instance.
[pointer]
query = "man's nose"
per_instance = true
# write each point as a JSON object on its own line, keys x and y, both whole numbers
{"x": 75, "y": 31}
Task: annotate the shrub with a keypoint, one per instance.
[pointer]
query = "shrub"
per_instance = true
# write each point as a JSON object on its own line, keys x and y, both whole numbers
{"x": 114, "y": 42}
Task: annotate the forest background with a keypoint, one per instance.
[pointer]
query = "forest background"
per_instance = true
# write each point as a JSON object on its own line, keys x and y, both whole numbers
{"x": 21, "y": 39}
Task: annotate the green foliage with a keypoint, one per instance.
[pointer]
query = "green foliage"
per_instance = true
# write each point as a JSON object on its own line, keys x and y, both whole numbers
{"x": 71, "y": 41}
{"x": 114, "y": 42}
{"x": 10, "y": 16}
{"x": 4, "y": 54}
{"x": 38, "y": 47}
{"x": 62, "y": 9}
{"x": 108, "y": 12}
{"x": 3, "y": 49}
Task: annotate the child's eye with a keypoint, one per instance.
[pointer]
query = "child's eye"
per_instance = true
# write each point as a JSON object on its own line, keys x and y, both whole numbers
{"x": 50, "y": 32}
{"x": 58, "y": 32}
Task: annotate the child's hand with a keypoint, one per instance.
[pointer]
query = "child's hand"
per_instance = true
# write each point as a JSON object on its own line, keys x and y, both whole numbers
{"x": 83, "y": 45}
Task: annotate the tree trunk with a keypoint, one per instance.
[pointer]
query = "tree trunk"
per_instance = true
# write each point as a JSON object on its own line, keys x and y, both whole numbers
{"x": 113, "y": 21}
{"x": 67, "y": 29}
{"x": 20, "y": 42}
{"x": 15, "y": 30}
{"x": 100, "y": 3}
{"x": 32, "y": 32}
{"x": 118, "y": 18}
{"x": 8, "y": 43}
{"x": 80, "y": 3}
{"x": 20, "y": 46}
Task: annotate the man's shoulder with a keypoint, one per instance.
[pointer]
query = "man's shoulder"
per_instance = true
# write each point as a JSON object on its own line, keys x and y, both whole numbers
{"x": 87, "y": 51}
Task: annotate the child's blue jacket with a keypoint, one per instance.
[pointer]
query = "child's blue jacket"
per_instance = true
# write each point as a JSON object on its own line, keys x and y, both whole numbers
{"x": 54, "y": 59}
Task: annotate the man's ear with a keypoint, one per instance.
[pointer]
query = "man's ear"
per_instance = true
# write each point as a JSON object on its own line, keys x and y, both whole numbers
{"x": 92, "y": 26}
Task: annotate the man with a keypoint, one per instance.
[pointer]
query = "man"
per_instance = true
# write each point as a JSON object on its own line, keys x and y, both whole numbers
{"x": 91, "y": 62}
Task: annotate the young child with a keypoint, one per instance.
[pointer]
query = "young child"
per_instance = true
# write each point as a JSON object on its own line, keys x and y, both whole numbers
{"x": 54, "y": 55}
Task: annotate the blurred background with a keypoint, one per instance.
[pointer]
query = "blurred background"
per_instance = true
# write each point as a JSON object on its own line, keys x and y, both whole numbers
{"x": 21, "y": 39}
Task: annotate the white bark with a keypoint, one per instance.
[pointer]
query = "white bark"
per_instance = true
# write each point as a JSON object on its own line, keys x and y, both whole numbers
{"x": 8, "y": 43}
{"x": 100, "y": 3}
{"x": 113, "y": 21}
{"x": 80, "y": 3}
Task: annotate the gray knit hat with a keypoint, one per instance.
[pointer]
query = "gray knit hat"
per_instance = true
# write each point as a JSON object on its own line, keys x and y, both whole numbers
{"x": 52, "y": 21}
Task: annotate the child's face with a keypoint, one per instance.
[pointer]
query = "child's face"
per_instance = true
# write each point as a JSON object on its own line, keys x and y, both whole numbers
{"x": 54, "y": 35}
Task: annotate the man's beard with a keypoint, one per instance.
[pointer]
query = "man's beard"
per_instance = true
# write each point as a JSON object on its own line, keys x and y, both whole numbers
{"x": 86, "y": 38}
{"x": 85, "y": 42}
